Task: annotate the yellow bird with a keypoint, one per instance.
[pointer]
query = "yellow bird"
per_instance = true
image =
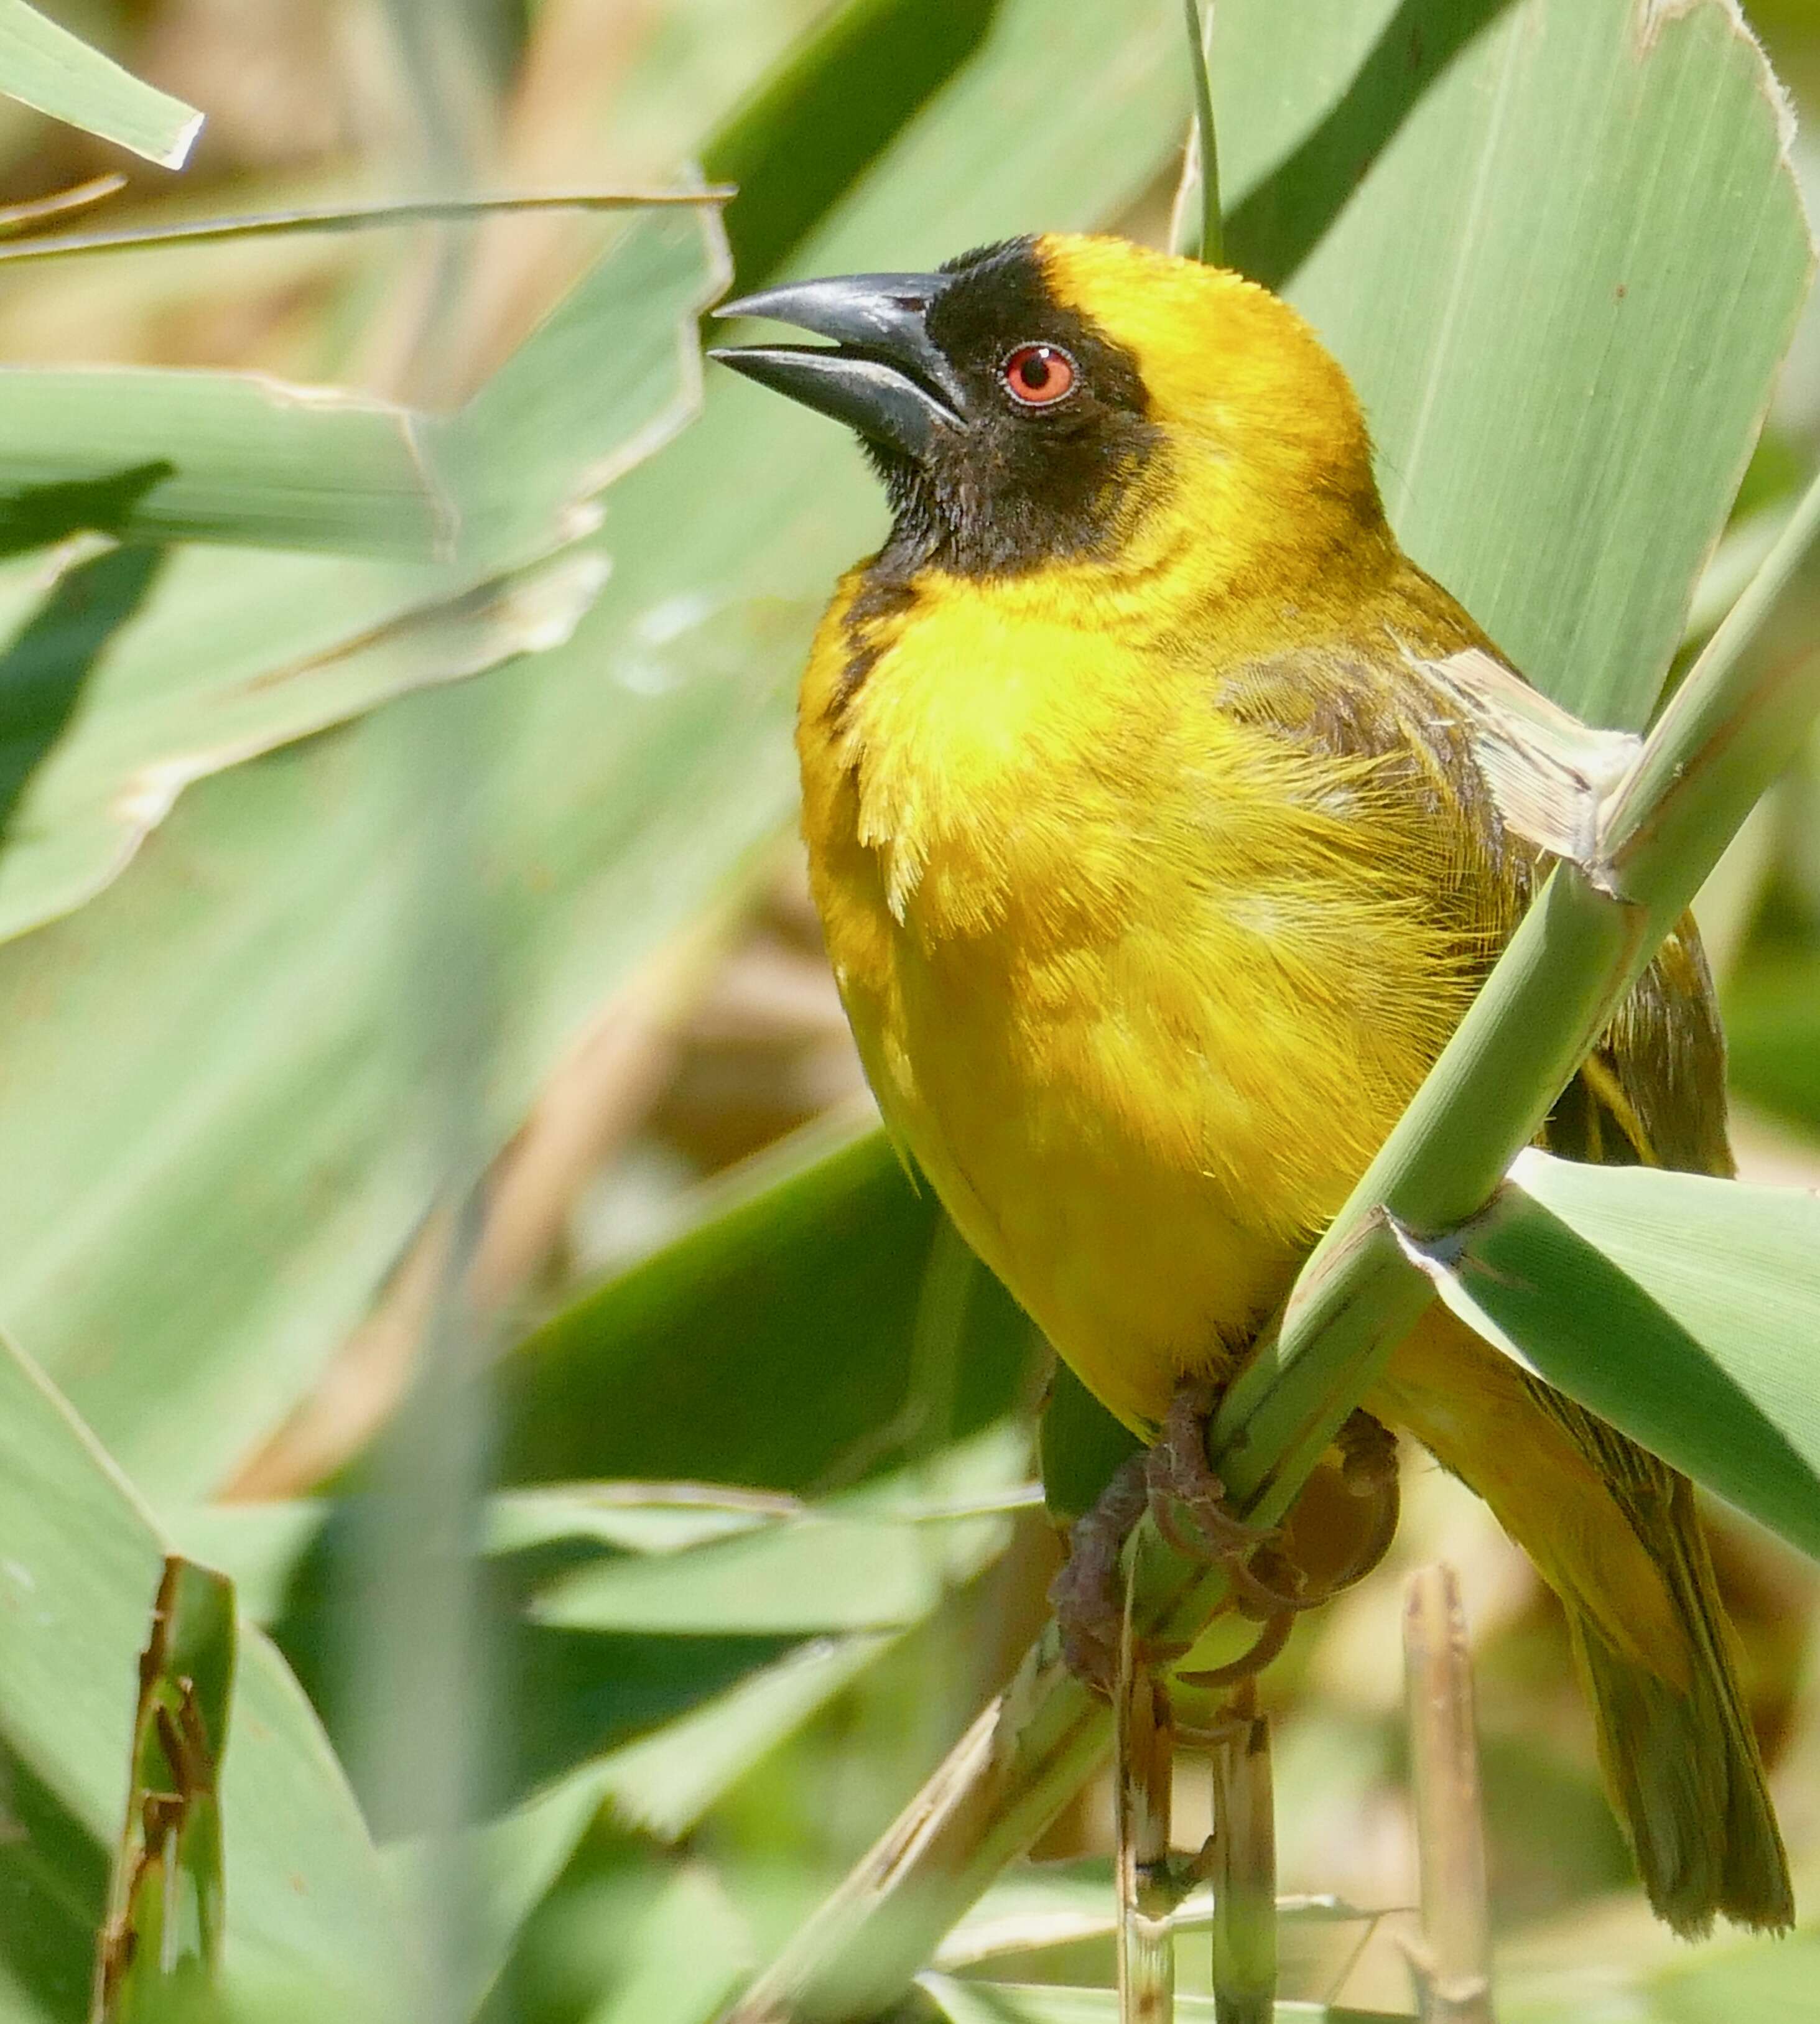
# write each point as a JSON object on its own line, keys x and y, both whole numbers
{"x": 1154, "y": 879}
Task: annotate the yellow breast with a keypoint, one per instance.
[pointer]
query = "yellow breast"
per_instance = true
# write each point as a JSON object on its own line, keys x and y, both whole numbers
{"x": 1141, "y": 984}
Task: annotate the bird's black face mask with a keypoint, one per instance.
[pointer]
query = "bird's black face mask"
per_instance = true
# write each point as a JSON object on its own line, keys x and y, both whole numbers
{"x": 1006, "y": 426}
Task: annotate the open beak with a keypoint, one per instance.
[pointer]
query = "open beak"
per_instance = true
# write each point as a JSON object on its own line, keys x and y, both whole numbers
{"x": 882, "y": 375}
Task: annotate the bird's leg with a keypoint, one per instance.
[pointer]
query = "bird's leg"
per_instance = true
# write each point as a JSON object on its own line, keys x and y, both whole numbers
{"x": 1187, "y": 1499}
{"x": 1172, "y": 1481}
{"x": 1188, "y": 1502}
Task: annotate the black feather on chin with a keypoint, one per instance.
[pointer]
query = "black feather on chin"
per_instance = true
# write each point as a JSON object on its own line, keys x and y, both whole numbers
{"x": 916, "y": 519}
{"x": 1014, "y": 488}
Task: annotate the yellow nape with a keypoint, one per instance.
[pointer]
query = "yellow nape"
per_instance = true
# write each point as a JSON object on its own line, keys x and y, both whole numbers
{"x": 1267, "y": 456}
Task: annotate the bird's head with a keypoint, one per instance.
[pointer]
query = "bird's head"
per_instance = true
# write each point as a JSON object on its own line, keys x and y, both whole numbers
{"x": 1067, "y": 399}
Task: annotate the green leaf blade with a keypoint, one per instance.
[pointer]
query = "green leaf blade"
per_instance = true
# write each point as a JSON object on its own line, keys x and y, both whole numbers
{"x": 219, "y": 456}
{"x": 1581, "y": 208}
{"x": 305, "y": 1904}
{"x": 803, "y": 1278}
{"x": 1679, "y": 1307}
{"x": 45, "y": 67}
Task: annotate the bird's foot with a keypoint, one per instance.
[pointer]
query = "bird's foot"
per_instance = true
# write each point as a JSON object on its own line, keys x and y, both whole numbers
{"x": 1173, "y": 1480}
{"x": 1189, "y": 1506}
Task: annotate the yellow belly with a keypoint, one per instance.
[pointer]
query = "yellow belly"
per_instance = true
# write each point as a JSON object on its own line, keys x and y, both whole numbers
{"x": 1140, "y": 989}
{"x": 1127, "y": 1250}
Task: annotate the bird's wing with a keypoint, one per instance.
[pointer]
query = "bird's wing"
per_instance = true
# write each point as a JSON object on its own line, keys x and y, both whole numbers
{"x": 1652, "y": 1093}
{"x": 1453, "y": 727}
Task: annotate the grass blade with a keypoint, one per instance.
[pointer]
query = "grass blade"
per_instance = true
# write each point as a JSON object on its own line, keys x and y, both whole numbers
{"x": 1244, "y": 1928}
{"x": 1454, "y": 1968}
{"x": 1144, "y": 1756}
{"x": 1196, "y": 226}
{"x": 349, "y": 218}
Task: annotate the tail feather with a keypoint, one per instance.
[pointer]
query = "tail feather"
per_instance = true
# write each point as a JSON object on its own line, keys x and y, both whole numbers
{"x": 1682, "y": 1769}
{"x": 1615, "y": 1534}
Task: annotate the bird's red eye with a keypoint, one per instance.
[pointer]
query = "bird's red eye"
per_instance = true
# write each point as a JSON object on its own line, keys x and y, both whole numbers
{"x": 1038, "y": 376}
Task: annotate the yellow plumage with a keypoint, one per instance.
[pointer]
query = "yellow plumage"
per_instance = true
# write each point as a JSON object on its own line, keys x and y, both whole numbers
{"x": 1153, "y": 883}
{"x": 1051, "y": 894}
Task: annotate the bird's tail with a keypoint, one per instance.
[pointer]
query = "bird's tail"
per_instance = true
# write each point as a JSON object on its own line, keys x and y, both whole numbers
{"x": 1614, "y": 1532}
{"x": 1683, "y": 1769}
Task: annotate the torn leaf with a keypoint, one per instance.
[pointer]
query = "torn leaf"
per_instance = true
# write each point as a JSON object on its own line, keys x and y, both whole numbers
{"x": 160, "y": 1950}
{"x": 1552, "y": 778}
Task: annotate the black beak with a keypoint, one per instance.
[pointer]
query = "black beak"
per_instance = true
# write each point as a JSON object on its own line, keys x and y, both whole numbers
{"x": 883, "y": 375}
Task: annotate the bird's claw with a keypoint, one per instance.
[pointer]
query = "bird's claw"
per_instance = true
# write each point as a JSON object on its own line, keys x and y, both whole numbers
{"x": 1173, "y": 1480}
{"x": 1188, "y": 1502}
